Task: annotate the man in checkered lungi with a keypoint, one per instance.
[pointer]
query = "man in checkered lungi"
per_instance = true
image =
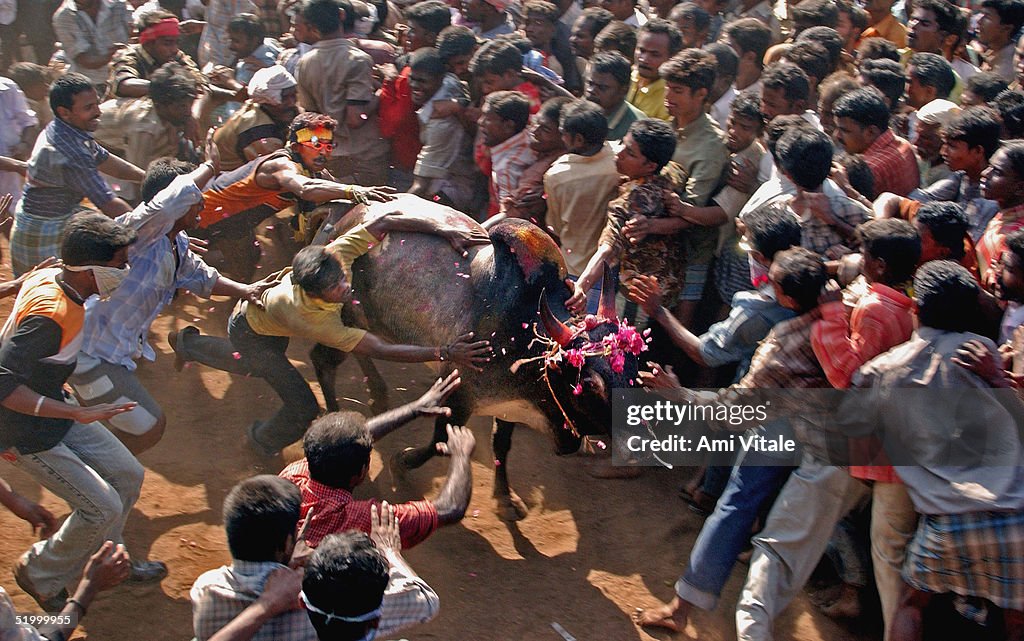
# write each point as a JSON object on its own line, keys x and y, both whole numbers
{"x": 955, "y": 439}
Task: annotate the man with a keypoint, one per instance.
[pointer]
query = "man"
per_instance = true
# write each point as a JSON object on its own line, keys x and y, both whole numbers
{"x": 22, "y": 126}
{"x": 528, "y": 201}
{"x": 335, "y": 80}
{"x": 58, "y": 443}
{"x": 882, "y": 24}
{"x": 607, "y": 86}
{"x": 625, "y": 10}
{"x": 862, "y": 127}
{"x": 132, "y": 67}
{"x": 261, "y": 515}
{"x": 502, "y": 127}
{"x": 760, "y": 10}
{"x": 1000, "y": 20}
{"x": 750, "y": 39}
{"x": 941, "y": 361}
{"x": 140, "y": 130}
{"x": 426, "y": 20}
{"x": 693, "y": 23}
{"x": 63, "y": 169}
{"x": 337, "y": 448}
{"x": 585, "y": 30}
{"x": 252, "y": 51}
{"x": 260, "y": 126}
{"x": 91, "y": 32}
{"x": 657, "y": 41}
{"x": 444, "y": 170}
{"x": 115, "y": 329}
{"x": 489, "y": 18}
{"x": 927, "y": 139}
{"x": 213, "y": 46}
{"x": 929, "y": 77}
{"x": 306, "y": 303}
{"x": 722, "y": 92}
{"x": 935, "y": 26}
{"x": 237, "y": 201}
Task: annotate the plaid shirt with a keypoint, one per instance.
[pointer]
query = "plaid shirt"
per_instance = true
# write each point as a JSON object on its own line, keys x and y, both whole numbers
{"x": 273, "y": 20}
{"x": 819, "y": 237}
{"x": 508, "y": 161}
{"x": 62, "y": 170}
{"x": 735, "y": 339}
{"x": 116, "y": 329}
{"x": 78, "y": 33}
{"x": 218, "y": 596}
{"x": 893, "y": 164}
{"x": 993, "y": 242}
{"x": 334, "y": 510}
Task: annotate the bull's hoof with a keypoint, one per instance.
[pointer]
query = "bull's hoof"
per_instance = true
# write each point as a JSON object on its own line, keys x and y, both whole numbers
{"x": 511, "y": 508}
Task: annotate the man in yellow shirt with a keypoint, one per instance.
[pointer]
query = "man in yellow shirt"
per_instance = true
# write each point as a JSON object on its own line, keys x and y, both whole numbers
{"x": 307, "y": 303}
{"x": 657, "y": 41}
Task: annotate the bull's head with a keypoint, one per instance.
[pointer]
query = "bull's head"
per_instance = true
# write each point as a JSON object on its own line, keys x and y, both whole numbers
{"x": 589, "y": 360}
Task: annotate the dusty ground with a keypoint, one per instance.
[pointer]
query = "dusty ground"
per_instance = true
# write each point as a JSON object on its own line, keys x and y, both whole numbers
{"x": 587, "y": 555}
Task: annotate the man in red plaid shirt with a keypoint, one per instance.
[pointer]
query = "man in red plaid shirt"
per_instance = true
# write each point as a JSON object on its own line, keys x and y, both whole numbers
{"x": 337, "y": 448}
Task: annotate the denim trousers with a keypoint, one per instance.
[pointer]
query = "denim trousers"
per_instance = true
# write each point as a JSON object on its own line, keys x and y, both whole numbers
{"x": 100, "y": 480}
{"x": 250, "y": 354}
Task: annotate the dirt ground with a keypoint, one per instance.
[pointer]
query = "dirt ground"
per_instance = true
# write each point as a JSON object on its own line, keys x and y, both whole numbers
{"x": 588, "y": 554}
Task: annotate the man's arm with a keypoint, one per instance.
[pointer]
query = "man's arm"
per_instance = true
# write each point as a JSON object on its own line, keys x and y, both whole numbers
{"x": 430, "y": 404}
{"x": 132, "y": 88}
{"x": 105, "y": 569}
{"x": 462, "y": 351}
{"x": 458, "y": 486}
{"x": 313, "y": 190}
{"x": 408, "y": 599}
{"x": 120, "y": 168}
{"x": 645, "y": 292}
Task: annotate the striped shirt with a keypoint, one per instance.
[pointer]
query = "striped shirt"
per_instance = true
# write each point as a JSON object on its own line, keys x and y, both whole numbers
{"x": 993, "y": 242}
{"x": 893, "y": 164}
{"x": 62, "y": 170}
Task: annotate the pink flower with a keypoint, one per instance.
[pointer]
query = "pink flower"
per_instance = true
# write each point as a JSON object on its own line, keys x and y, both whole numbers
{"x": 576, "y": 391}
{"x": 618, "y": 362}
{"x": 575, "y": 357}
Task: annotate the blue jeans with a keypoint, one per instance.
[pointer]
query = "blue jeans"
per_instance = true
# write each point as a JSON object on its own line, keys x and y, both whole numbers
{"x": 727, "y": 531}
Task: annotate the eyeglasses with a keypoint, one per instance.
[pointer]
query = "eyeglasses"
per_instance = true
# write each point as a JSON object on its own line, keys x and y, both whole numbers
{"x": 320, "y": 145}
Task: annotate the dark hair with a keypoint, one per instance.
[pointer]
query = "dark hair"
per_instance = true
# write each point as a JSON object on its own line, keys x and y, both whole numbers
{"x": 859, "y": 174}
{"x": 779, "y": 126}
{"x": 932, "y": 70}
{"x": 656, "y": 140}
{"x": 692, "y": 12}
{"x": 612, "y": 63}
{"x": 64, "y": 89}
{"x": 496, "y": 57}
{"x": 552, "y": 108}
{"x": 836, "y": 85}
{"x": 828, "y": 38}
{"x": 976, "y": 126}
{"x": 1014, "y": 150}
{"x": 337, "y": 447}
{"x": 323, "y": 15}
{"x": 1010, "y": 12}
{"x": 947, "y": 223}
{"x": 171, "y": 83}
{"x": 790, "y": 79}
{"x": 27, "y": 74}
{"x": 877, "y": 49}
{"x": 864, "y": 106}
{"x": 668, "y": 29}
{"x": 597, "y": 18}
{"x": 431, "y": 15}
{"x": 986, "y": 85}
{"x": 815, "y": 12}
{"x": 1010, "y": 105}
{"x": 811, "y": 57}
{"x": 945, "y": 15}
{"x": 1015, "y": 243}
{"x": 427, "y": 60}
{"x": 802, "y": 275}
{"x": 887, "y": 77}
{"x": 619, "y": 36}
{"x": 455, "y": 40}
{"x": 586, "y": 119}
{"x": 859, "y": 18}
{"x": 946, "y": 295}
{"x": 542, "y": 9}
{"x": 751, "y": 36}
{"x": 315, "y": 270}
{"x": 160, "y": 173}
{"x": 693, "y": 68}
{"x": 747, "y": 104}
{"x": 772, "y": 228}
{"x": 259, "y": 514}
{"x": 510, "y": 105}
{"x": 896, "y": 242}
{"x": 346, "y": 576}
{"x": 806, "y": 156}
{"x": 90, "y": 238}
{"x": 312, "y": 120}
{"x": 248, "y": 24}
{"x": 728, "y": 62}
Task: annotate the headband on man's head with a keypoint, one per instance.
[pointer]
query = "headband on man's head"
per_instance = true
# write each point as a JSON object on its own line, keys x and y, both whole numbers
{"x": 362, "y": 618}
{"x": 168, "y": 27}
{"x": 314, "y": 134}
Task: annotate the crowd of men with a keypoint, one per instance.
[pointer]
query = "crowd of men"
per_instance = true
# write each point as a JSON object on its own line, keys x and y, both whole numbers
{"x": 818, "y": 194}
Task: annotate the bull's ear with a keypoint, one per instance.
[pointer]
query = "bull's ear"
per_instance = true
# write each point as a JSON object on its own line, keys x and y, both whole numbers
{"x": 607, "y": 306}
{"x": 556, "y": 329}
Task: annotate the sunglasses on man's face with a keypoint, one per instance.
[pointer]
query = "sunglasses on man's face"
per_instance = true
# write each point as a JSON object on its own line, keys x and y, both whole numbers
{"x": 320, "y": 145}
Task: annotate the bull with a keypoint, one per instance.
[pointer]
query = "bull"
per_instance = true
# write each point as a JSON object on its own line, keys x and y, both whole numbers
{"x": 414, "y": 288}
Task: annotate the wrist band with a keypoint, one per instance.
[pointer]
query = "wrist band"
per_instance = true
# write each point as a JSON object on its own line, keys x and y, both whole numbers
{"x": 76, "y": 602}
{"x": 39, "y": 404}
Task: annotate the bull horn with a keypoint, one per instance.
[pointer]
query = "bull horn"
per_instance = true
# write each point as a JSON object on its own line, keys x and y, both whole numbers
{"x": 556, "y": 329}
{"x": 607, "y": 307}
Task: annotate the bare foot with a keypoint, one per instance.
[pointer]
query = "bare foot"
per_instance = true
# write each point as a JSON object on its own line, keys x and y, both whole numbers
{"x": 672, "y": 616}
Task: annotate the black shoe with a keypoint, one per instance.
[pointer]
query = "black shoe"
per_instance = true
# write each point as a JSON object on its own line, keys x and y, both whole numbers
{"x": 177, "y": 344}
{"x": 147, "y": 571}
{"x": 256, "y": 445}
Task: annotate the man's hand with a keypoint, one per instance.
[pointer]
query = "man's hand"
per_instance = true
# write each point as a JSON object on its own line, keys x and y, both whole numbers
{"x": 102, "y": 412}
{"x": 198, "y": 246}
{"x": 743, "y": 175}
{"x": 460, "y": 443}
{"x": 645, "y": 291}
{"x": 35, "y": 515}
{"x": 637, "y": 228}
{"x": 462, "y": 238}
{"x": 384, "y": 530}
{"x": 469, "y": 353}
{"x": 380, "y": 194}
{"x": 831, "y": 293}
{"x": 975, "y": 357}
{"x": 675, "y": 205}
{"x": 223, "y": 77}
{"x": 577, "y": 303}
{"x": 108, "y": 567}
{"x": 254, "y": 291}
{"x": 301, "y": 552}
{"x": 5, "y": 206}
{"x": 814, "y": 204}
{"x": 431, "y": 403}
{"x": 212, "y": 152}
{"x": 662, "y": 380}
{"x": 281, "y": 591}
